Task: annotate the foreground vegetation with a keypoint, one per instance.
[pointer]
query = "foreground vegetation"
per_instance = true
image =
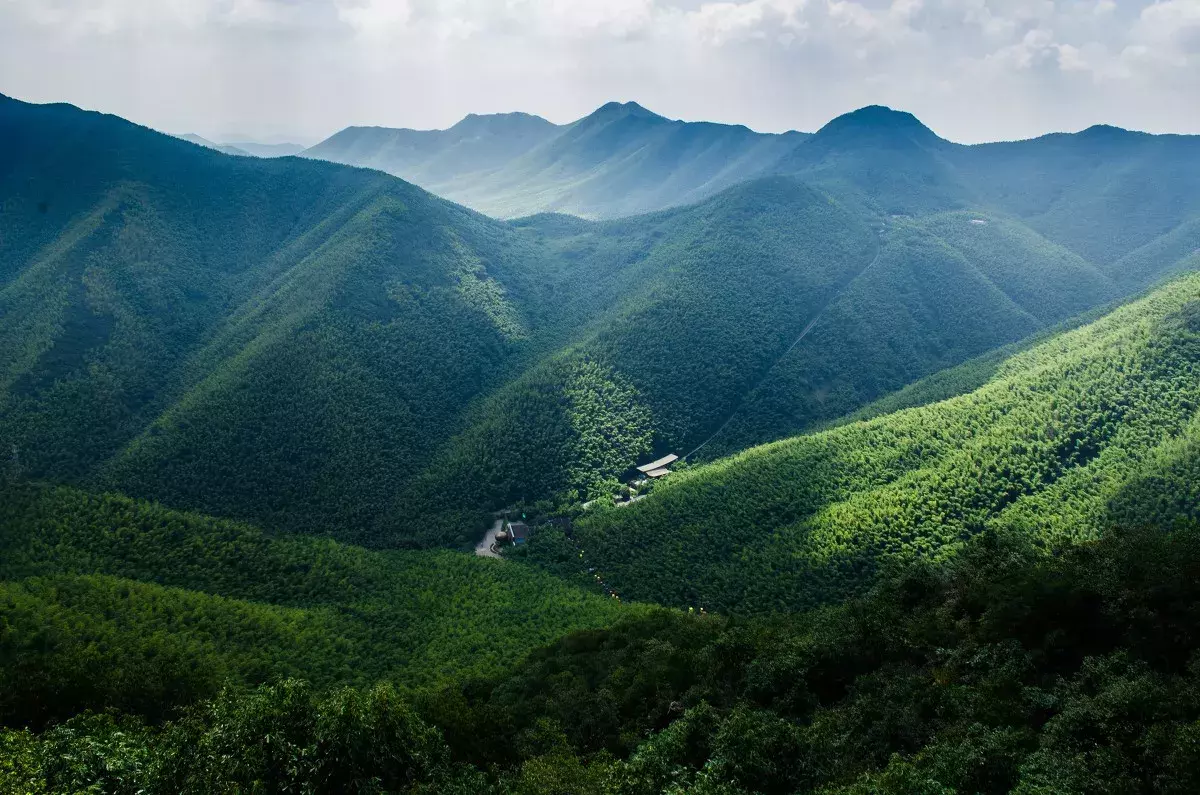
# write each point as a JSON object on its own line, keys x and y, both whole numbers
{"x": 110, "y": 602}
{"x": 1008, "y": 671}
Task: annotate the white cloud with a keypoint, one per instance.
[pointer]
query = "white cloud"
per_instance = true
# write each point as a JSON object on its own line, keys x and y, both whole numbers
{"x": 374, "y": 17}
{"x": 973, "y": 69}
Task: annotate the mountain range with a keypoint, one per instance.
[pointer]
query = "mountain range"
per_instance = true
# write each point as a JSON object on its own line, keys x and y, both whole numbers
{"x": 935, "y": 526}
{"x": 619, "y": 160}
{"x": 332, "y": 349}
{"x": 623, "y": 159}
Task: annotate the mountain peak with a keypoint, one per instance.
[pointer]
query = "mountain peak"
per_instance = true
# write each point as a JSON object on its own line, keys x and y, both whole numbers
{"x": 623, "y": 109}
{"x": 1108, "y": 131}
{"x": 878, "y": 121}
{"x": 514, "y": 122}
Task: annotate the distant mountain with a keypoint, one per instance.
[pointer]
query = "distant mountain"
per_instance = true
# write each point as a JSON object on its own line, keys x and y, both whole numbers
{"x": 267, "y": 150}
{"x": 620, "y": 160}
{"x": 1101, "y": 193}
{"x": 228, "y": 149}
{"x": 1094, "y": 428}
{"x": 883, "y": 160}
{"x": 433, "y": 158}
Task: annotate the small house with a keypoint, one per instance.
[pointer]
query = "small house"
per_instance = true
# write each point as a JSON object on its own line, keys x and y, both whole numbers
{"x": 656, "y": 469}
{"x": 518, "y": 532}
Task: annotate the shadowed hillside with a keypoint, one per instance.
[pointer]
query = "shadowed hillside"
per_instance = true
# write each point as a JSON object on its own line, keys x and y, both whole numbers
{"x": 283, "y": 340}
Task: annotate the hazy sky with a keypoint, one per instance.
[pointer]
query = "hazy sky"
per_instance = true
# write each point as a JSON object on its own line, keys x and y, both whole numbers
{"x": 971, "y": 69}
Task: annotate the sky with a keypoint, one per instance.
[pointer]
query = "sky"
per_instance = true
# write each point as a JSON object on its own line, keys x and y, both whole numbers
{"x": 973, "y": 70}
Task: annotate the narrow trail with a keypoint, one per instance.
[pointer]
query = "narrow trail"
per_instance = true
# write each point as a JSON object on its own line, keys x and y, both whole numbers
{"x": 790, "y": 348}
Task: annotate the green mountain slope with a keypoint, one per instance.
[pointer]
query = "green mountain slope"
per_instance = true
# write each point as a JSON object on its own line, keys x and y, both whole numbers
{"x": 1091, "y": 427}
{"x": 1101, "y": 193}
{"x": 697, "y": 303}
{"x": 99, "y": 592}
{"x": 331, "y": 350}
{"x": 620, "y": 160}
{"x": 793, "y": 315}
{"x": 946, "y": 288}
{"x": 282, "y": 340}
{"x": 883, "y": 160}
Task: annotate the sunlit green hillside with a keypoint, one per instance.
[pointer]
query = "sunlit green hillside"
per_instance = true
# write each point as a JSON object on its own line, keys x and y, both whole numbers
{"x": 1092, "y": 428}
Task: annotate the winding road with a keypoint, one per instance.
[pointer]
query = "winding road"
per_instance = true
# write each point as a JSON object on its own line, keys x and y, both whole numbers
{"x": 485, "y": 548}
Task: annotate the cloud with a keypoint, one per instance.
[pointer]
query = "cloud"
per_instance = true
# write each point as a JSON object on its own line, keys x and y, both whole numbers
{"x": 973, "y": 69}
{"x": 375, "y": 17}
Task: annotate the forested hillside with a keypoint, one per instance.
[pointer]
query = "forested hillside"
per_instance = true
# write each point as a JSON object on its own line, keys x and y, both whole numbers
{"x": 1093, "y": 428}
{"x": 709, "y": 304}
{"x": 242, "y": 398}
{"x": 110, "y": 602}
{"x": 944, "y": 289}
{"x": 700, "y": 301}
{"x": 281, "y": 340}
{"x": 1103, "y": 193}
{"x": 323, "y": 349}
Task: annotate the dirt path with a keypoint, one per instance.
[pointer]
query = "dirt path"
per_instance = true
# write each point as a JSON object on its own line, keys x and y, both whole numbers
{"x": 486, "y": 547}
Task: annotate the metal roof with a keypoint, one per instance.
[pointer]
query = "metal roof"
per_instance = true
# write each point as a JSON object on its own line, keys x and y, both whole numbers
{"x": 658, "y": 473}
{"x": 665, "y": 461}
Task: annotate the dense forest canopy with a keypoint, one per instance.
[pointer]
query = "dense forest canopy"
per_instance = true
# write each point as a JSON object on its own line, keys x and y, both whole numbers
{"x": 1008, "y": 671}
{"x": 98, "y": 591}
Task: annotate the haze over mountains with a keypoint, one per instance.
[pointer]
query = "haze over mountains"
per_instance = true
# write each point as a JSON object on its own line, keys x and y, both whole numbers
{"x": 246, "y": 148}
{"x": 623, "y": 159}
{"x": 620, "y": 160}
{"x": 254, "y": 410}
{"x": 223, "y": 148}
